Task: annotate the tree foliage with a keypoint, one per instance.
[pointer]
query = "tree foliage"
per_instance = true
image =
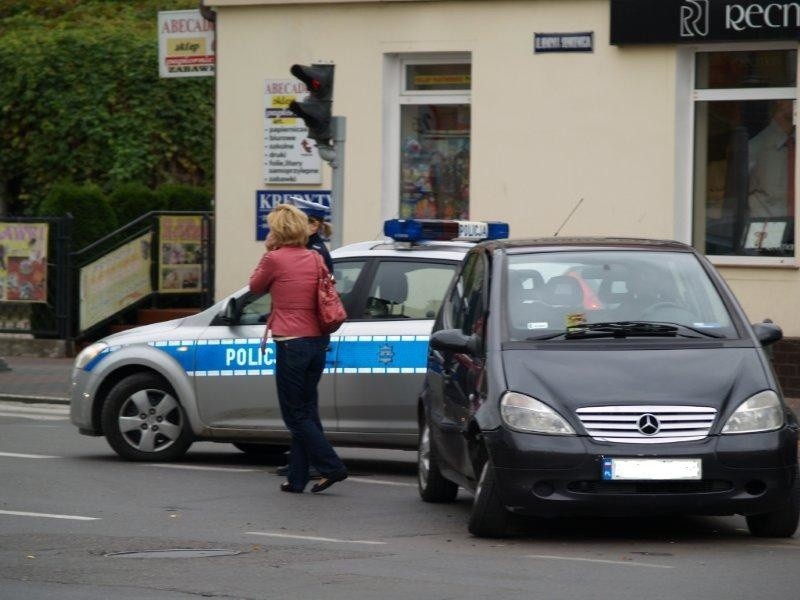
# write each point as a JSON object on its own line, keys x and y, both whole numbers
{"x": 81, "y": 100}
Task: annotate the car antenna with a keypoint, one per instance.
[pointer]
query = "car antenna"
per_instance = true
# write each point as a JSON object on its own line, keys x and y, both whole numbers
{"x": 569, "y": 216}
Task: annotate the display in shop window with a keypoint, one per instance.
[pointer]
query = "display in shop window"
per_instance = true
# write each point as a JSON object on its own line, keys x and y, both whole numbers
{"x": 435, "y": 157}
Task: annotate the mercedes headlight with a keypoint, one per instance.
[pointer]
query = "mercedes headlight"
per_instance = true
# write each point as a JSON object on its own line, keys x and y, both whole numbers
{"x": 762, "y": 412}
{"x": 88, "y": 353}
{"x": 524, "y": 413}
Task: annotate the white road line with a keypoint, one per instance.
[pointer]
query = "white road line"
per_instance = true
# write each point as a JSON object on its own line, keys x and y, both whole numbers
{"x": 35, "y": 408}
{"x": 784, "y": 547}
{"x": 380, "y": 481}
{"x": 598, "y": 560}
{"x": 35, "y": 417}
{"x": 198, "y": 468}
{"x": 47, "y": 516}
{"x": 17, "y": 455}
{"x": 311, "y": 538}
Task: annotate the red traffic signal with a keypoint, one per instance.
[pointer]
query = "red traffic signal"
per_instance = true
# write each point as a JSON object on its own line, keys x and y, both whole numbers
{"x": 316, "y": 110}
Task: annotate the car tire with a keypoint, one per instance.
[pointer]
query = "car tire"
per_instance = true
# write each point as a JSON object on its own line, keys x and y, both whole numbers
{"x": 143, "y": 420}
{"x": 432, "y": 485}
{"x": 488, "y": 518}
{"x": 261, "y": 450}
{"x": 781, "y": 523}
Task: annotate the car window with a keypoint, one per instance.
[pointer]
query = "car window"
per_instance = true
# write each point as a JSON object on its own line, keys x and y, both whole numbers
{"x": 473, "y": 304}
{"x": 555, "y": 290}
{"x": 255, "y": 309}
{"x": 346, "y": 274}
{"x": 408, "y": 290}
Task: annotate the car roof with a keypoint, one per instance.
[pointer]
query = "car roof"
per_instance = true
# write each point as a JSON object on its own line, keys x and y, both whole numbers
{"x": 589, "y": 243}
{"x": 388, "y": 247}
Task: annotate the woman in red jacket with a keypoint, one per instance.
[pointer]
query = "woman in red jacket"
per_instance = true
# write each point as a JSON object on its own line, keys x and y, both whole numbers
{"x": 288, "y": 271}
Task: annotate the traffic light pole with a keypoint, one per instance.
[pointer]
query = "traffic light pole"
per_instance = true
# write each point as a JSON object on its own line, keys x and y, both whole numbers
{"x": 334, "y": 156}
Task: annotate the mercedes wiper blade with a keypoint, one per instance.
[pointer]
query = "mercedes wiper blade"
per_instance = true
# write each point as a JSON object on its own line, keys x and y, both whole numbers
{"x": 620, "y": 329}
{"x": 610, "y": 329}
{"x": 623, "y": 329}
{"x": 703, "y": 332}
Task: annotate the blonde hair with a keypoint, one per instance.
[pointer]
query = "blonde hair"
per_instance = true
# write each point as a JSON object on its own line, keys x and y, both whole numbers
{"x": 288, "y": 226}
{"x": 324, "y": 227}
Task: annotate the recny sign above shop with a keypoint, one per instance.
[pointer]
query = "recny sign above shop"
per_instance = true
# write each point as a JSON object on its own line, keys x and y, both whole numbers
{"x": 697, "y": 21}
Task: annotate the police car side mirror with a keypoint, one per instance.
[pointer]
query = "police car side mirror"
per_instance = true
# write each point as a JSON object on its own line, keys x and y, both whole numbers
{"x": 767, "y": 333}
{"x": 454, "y": 340}
{"x": 229, "y": 313}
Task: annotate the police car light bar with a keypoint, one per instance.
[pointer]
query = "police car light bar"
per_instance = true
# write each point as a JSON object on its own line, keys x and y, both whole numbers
{"x": 418, "y": 230}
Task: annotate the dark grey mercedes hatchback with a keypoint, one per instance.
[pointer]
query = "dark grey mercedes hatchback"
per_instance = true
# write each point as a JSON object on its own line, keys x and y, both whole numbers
{"x": 603, "y": 377}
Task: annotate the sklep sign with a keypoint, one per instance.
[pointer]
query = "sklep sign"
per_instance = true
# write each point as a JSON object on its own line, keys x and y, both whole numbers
{"x": 696, "y": 21}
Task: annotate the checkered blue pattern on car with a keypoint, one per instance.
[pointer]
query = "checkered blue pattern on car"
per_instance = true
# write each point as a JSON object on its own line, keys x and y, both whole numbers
{"x": 237, "y": 357}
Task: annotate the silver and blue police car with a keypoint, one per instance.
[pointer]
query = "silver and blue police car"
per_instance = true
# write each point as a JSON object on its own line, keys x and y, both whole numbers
{"x": 153, "y": 390}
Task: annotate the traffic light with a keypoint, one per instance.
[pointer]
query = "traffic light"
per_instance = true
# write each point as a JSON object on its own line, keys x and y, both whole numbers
{"x": 316, "y": 110}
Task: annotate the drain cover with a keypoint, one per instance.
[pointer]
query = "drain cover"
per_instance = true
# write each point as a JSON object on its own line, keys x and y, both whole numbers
{"x": 175, "y": 553}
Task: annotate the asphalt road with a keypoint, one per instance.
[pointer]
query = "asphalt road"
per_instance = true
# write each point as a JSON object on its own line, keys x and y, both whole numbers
{"x": 67, "y": 504}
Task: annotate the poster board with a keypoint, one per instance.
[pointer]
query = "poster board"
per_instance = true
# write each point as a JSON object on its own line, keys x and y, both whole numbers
{"x": 115, "y": 281}
{"x": 23, "y": 262}
{"x": 180, "y": 254}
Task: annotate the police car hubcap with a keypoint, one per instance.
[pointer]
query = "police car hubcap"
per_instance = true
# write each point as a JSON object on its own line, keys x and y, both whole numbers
{"x": 424, "y": 455}
{"x": 150, "y": 420}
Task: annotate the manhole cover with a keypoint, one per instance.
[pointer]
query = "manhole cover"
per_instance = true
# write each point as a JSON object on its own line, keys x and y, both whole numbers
{"x": 175, "y": 553}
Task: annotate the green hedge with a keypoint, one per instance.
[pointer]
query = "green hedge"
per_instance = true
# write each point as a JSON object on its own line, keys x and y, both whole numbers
{"x": 132, "y": 200}
{"x": 93, "y": 215}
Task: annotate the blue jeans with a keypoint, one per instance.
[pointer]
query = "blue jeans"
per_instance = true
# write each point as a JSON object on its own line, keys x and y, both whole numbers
{"x": 298, "y": 368}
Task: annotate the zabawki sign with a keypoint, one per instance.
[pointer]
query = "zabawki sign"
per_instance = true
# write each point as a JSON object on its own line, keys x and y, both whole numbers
{"x": 700, "y": 21}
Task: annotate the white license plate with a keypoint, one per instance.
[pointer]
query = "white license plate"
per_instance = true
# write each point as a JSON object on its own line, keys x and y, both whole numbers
{"x": 651, "y": 469}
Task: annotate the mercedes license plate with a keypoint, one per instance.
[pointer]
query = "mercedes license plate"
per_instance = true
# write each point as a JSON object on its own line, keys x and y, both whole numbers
{"x": 651, "y": 469}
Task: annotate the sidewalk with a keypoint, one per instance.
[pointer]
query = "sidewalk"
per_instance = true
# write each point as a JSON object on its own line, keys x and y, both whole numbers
{"x": 36, "y": 379}
{"x": 47, "y": 380}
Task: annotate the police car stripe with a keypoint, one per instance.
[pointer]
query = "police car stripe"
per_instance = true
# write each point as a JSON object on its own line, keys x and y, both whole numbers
{"x": 242, "y": 357}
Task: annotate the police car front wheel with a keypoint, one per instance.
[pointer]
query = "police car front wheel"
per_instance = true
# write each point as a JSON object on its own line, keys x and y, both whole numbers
{"x": 143, "y": 420}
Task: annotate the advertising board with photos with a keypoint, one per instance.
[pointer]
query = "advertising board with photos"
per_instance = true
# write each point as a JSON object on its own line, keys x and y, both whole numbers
{"x": 180, "y": 254}
{"x": 23, "y": 262}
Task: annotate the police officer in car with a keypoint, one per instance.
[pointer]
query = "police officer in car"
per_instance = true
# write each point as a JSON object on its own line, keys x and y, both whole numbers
{"x": 318, "y": 231}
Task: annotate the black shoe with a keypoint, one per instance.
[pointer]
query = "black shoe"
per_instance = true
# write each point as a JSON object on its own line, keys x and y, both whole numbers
{"x": 284, "y": 471}
{"x": 286, "y": 487}
{"x": 328, "y": 481}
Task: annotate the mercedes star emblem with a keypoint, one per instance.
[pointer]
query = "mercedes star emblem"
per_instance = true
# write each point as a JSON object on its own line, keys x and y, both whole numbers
{"x": 648, "y": 424}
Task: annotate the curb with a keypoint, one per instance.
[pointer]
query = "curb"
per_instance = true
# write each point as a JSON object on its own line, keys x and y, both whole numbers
{"x": 33, "y": 399}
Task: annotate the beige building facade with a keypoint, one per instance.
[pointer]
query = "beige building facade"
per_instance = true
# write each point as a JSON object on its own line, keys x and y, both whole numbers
{"x": 655, "y": 118}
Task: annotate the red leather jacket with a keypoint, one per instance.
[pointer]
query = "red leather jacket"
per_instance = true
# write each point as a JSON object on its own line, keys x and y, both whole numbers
{"x": 289, "y": 274}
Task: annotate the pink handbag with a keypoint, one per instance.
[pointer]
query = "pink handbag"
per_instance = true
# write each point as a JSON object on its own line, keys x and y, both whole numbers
{"x": 330, "y": 310}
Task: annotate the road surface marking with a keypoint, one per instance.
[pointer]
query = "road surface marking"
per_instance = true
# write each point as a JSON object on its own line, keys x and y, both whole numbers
{"x": 312, "y": 538}
{"x": 380, "y": 481}
{"x": 789, "y": 546}
{"x": 198, "y": 468}
{"x": 598, "y": 560}
{"x": 36, "y": 417}
{"x": 47, "y": 516}
{"x": 17, "y": 455}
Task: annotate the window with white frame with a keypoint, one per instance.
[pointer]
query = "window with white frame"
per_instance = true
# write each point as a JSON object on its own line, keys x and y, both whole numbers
{"x": 744, "y": 152}
{"x": 429, "y": 125}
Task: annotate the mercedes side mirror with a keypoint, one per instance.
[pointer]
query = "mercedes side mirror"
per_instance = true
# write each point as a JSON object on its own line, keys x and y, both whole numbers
{"x": 767, "y": 333}
{"x": 454, "y": 340}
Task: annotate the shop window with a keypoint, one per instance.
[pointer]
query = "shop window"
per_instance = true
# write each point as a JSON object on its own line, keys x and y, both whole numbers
{"x": 744, "y": 152}
{"x": 434, "y": 138}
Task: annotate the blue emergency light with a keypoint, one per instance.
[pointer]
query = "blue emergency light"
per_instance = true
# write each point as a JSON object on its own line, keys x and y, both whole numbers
{"x": 418, "y": 230}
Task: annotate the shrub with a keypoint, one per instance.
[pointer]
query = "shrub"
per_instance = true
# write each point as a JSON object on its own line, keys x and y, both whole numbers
{"x": 93, "y": 216}
{"x": 132, "y": 200}
{"x": 183, "y": 197}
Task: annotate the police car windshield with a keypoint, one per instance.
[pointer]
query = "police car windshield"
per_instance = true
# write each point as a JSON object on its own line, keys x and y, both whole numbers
{"x": 558, "y": 292}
